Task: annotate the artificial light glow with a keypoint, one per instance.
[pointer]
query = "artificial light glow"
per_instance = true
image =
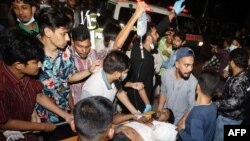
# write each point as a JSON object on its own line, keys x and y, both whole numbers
{"x": 200, "y": 44}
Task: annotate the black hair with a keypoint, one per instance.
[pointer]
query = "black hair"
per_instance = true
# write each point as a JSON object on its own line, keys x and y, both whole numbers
{"x": 217, "y": 42}
{"x": 240, "y": 57}
{"x": 80, "y": 33}
{"x": 208, "y": 81}
{"x": 180, "y": 34}
{"x": 93, "y": 116}
{"x": 18, "y": 46}
{"x": 53, "y": 19}
{"x": 171, "y": 116}
{"x": 120, "y": 136}
{"x": 31, "y": 2}
{"x": 110, "y": 32}
{"x": 129, "y": 40}
{"x": 116, "y": 61}
{"x": 150, "y": 25}
{"x": 68, "y": 12}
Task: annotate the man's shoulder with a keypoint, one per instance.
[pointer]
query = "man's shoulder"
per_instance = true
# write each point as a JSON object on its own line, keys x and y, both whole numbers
{"x": 94, "y": 80}
{"x": 169, "y": 72}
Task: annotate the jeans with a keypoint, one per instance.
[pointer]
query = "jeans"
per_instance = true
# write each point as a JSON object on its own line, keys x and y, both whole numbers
{"x": 219, "y": 130}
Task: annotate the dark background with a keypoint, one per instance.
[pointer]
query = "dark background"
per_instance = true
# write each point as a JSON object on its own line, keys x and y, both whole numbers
{"x": 236, "y": 11}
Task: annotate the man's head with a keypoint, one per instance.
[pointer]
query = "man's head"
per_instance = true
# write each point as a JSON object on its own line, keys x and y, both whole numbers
{"x": 150, "y": 39}
{"x": 54, "y": 26}
{"x": 71, "y": 3}
{"x": 117, "y": 64}
{"x": 184, "y": 62}
{"x": 93, "y": 118}
{"x": 170, "y": 36}
{"x": 238, "y": 59}
{"x": 81, "y": 41}
{"x": 110, "y": 33}
{"x": 207, "y": 82}
{"x": 21, "y": 51}
{"x": 24, "y": 9}
{"x": 165, "y": 115}
{"x": 214, "y": 44}
{"x": 179, "y": 40}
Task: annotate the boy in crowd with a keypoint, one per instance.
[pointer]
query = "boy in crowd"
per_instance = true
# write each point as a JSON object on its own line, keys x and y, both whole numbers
{"x": 93, "y": 119}
{"x": 19, "y": 91}
{"x": 198, "y": 125}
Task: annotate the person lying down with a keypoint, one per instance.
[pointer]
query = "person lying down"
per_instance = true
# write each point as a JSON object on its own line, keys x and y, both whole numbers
{"x": 155, "y": 127}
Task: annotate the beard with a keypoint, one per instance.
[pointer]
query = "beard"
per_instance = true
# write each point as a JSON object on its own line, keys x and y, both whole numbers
{"x": 185, "y": 76}
{"x": 174, "y": 47}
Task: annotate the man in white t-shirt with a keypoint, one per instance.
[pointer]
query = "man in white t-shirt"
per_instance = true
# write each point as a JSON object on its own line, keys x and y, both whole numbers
{"x": 106, "y": 82}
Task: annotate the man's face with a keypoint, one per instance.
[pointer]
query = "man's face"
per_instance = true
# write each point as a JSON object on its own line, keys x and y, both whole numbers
{"x": 213, "y": 48}
{"x": 154, "y": 36}
{"x": 169, "y": 37}
{"x": 177, "y": 42}
{"x": 184, "y": 66}
{"x": 71, "y": 3}
{"x": 82, "y": 48}
{"x": 236, "y": 43}
{"x": 123, "y": 74}
{"x": 22, "y": 10}
{"x": 59, "y": 37}
{"x": 163, "y": 115}
{"x": 32, "y": 68}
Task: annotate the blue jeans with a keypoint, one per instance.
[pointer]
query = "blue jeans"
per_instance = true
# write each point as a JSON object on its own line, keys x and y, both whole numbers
{"x": 219, "y": 130}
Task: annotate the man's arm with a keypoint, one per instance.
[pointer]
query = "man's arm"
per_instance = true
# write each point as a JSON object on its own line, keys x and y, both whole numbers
{"x": 46, "y": 103}
{"x": 123, "y": 34}
{"x": 119, "y": 118}
{"x": 139, "y": 86}
{"x": 122, "y": 96}
{"x": 164, "y": 23}
{"x": 76, "y": 77}
{"x": 162, "y": 101}
{"x": 20, "y": 125}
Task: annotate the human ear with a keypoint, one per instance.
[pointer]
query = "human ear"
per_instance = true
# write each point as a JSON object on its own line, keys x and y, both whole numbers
{"x": 111, "y": 133}
{"x": 48, "y": 32}
{"x": 18, "y": 65}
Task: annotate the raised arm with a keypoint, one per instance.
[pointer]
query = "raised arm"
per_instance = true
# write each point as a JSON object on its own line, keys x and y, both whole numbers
{"x": 123, "y": 34}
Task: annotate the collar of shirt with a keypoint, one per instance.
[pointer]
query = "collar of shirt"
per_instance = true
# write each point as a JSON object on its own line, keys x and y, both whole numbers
{"x": 105, "y": 79}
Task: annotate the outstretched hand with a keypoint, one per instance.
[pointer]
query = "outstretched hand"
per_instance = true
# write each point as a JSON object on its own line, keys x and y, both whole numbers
{"x": 148, "y": 108}
{"x": 177, "y": 6}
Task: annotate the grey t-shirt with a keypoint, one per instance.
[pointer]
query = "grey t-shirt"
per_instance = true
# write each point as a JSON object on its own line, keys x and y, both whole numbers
{"x": 180, "y": 94}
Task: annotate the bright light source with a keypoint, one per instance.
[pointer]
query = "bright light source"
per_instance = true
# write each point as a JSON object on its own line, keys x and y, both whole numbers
{"x": 200, "y": 44}
{"x": 122, "y": 25}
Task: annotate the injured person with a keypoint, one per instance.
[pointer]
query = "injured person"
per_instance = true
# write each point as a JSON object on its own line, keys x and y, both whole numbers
{"x": 152, "y": 128}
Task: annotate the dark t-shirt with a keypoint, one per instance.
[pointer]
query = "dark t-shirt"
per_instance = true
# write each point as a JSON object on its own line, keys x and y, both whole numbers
{"x": 142, "y": 70}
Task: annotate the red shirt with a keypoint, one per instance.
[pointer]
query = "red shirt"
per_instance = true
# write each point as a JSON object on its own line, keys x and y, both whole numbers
{"x": 17, "y": 98}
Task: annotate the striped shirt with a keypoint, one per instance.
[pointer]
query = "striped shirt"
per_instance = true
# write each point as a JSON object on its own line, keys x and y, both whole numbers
{"x": 18, "y": 98}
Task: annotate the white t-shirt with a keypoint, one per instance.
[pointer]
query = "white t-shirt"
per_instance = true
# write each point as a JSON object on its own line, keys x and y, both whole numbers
{"x": 161, "y": 131}
{"x": 98, "y": 85}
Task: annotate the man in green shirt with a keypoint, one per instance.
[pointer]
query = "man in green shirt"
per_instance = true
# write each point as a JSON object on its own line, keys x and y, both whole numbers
{"x": 24, "y": 11}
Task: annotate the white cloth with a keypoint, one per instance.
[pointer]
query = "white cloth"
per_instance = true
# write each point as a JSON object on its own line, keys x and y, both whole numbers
{"x": 97, "y": 85}
{"x": 161, "y": 131}
{"x": 13, "y": 135}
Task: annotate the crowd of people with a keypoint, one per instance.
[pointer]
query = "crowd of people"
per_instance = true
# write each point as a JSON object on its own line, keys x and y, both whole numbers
{"x": 55, "y": 83}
